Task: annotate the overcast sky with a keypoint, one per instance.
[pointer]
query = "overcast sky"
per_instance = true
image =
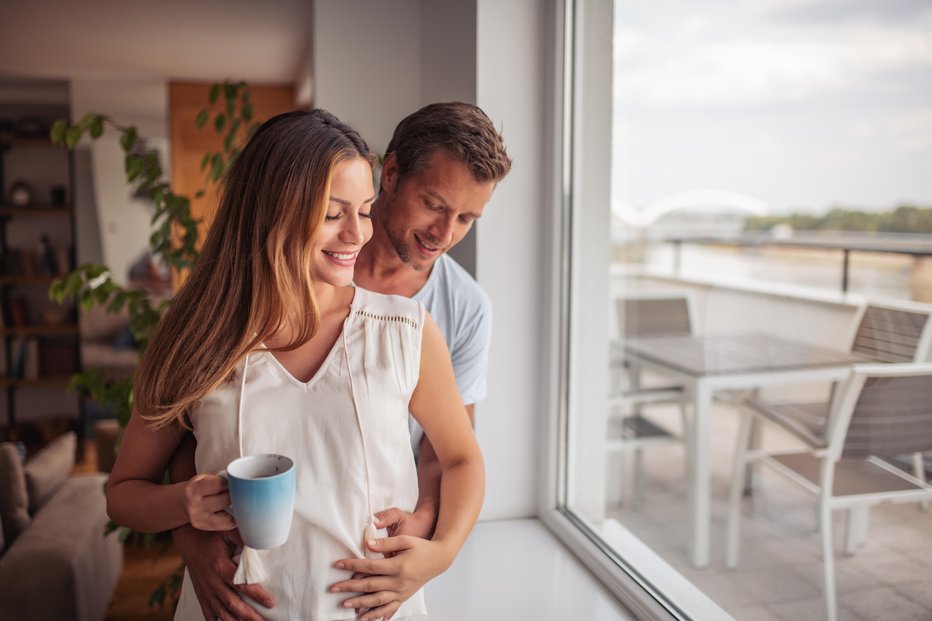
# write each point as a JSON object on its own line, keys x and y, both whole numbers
{"x": 802, "y": 104}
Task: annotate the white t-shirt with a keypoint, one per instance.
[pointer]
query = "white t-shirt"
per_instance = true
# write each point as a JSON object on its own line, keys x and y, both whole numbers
{"x": 463, "y": 312}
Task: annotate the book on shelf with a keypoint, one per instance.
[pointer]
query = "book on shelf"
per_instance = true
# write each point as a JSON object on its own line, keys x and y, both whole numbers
{"x": 18, "y": 357}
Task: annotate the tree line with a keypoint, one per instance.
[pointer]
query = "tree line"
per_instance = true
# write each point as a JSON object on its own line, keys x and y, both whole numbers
{"x": 903, "y": 219}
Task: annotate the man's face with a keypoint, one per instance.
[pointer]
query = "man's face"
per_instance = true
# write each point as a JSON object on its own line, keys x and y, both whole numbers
{"x": 431, "y": 210}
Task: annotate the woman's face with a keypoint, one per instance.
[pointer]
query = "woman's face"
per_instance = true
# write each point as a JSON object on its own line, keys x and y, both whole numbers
{"x": 347, "y": 225}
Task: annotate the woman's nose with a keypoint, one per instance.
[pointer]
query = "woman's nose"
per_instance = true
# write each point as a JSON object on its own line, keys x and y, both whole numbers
{"x": 352, "y": 230}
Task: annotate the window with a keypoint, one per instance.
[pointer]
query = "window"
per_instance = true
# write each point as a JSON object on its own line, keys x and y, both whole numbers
{"x": 746, "y": 182}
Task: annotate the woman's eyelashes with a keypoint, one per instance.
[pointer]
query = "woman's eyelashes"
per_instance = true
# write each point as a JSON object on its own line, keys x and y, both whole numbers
{"x": 339, "y": 214}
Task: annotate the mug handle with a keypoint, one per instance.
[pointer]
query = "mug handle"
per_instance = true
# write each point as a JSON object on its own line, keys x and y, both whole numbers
{"x": 224, "y": 475}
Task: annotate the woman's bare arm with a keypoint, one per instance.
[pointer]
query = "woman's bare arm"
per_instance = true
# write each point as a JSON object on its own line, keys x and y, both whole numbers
{"x": 137, "y": 496}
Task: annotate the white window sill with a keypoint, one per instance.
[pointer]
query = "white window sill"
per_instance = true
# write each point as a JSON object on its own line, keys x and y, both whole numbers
{"x": 518, "y": 569}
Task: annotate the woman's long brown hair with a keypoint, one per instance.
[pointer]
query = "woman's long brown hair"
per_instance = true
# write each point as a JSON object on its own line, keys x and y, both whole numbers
{"x": 253, "y": 276}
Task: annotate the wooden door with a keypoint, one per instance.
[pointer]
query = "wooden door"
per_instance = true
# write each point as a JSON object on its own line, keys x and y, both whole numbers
{"x": 189, "y": 143}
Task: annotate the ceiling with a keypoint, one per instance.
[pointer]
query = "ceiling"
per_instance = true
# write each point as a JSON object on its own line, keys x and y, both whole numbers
{"x": 194, "y": 40}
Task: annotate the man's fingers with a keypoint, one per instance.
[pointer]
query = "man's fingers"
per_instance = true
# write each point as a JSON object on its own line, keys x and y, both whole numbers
{"x": 257, "y": 593}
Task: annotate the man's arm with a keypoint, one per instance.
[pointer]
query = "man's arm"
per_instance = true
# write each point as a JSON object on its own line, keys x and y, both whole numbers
{"x": 208, "y": 556}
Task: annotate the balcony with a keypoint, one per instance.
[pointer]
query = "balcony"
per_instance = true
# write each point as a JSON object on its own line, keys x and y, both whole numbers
{"x": 793, "y": 293}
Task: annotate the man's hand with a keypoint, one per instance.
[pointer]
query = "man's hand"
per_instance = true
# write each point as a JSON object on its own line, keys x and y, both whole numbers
{"x": 209, "y": 559}
{"x": 387, "y": 583}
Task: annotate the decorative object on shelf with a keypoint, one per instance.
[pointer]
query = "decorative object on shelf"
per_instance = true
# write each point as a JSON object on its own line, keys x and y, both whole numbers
{"x": 20, "y": 194}
{"x": 48, "y": 259}
{"x": 31, "y": 127}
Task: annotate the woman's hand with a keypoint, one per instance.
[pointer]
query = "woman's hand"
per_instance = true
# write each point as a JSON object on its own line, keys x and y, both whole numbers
{"x": 206, "y": 499}
{"x": 397, "y": 521}
{"x": 388, "y": 582}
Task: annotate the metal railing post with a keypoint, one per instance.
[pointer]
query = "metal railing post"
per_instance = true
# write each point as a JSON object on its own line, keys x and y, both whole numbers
{"x": 844, "y": 270}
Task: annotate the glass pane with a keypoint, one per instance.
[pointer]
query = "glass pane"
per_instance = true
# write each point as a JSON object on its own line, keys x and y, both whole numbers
{"x": 770, "y": 181}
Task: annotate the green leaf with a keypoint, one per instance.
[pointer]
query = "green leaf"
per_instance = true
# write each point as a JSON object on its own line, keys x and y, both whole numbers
{"x": 219, "y": 122}
{"x": 216, "y": 171}
{"x": 97, "y": 128}
{"x": 201, "y": 118}
{"x": 205, "y": 160}
{"x": 246, "y": 112}
{"x": 134, "y": 166}
{"x": 214, "y": 93}
{"x": 57, "y": 134}
{"x": 72, "y": 136}
{"x": 128, "y": 139}
{"x": 199, "y": 194}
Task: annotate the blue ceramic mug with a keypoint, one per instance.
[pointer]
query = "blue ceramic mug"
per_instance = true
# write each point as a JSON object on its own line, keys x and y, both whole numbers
{"x": 262, "y": 498}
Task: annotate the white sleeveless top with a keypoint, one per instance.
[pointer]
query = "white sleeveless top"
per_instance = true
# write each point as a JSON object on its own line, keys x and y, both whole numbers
{"x": 346, "y": 430}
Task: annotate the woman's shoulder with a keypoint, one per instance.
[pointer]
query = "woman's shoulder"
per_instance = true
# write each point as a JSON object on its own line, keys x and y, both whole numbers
{"x": 386, "y": 307}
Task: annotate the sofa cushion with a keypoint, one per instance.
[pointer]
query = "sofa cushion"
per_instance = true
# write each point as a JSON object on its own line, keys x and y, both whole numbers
{"x": 48, "y": 469}
{"x": 14, "y": 502}
{"x": 63, "y": 567}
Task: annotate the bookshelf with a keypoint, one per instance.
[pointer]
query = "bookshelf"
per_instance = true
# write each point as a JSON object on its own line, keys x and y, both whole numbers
{"x": 41, "y": 341}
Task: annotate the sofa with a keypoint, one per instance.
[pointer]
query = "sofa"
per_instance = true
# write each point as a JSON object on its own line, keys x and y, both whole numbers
{"x": 56, "y": 564}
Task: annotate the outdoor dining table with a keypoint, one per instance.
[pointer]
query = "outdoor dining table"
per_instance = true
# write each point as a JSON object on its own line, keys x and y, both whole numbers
{"x": 706, "y": 364}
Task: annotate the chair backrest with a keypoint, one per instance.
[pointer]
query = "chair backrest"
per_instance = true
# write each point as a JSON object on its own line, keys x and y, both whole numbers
{"x": 654, "y": 315}
{"x": 893, "y": 334}
{"x": 885, "y": 410}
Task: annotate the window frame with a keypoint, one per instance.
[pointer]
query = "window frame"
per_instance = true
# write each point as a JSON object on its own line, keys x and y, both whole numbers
{"x": 640, "y": 579}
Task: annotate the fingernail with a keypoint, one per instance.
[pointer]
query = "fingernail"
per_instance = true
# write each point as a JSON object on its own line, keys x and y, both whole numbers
{"x": 373, "y": 543}
{"x": 334, "y": 589}
{"x": 340, "y": 565}
{"x": 347, "y": 604}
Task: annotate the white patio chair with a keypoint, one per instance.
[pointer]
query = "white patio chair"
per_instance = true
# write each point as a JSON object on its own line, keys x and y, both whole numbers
{"x": 642, "y": 316}
{"x": 885, "y": 333}
{"x": 882, "y": 410}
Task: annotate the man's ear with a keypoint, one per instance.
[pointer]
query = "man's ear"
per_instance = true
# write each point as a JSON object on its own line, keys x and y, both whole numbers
{"x": 389, "y": 178}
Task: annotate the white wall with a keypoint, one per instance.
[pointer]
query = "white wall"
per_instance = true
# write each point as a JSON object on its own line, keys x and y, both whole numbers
{"x": 448, "y": 73}
{"x": 123, "y": 220}
{"x": 448, "y": 50}
{"x": 366, "y": 61}
{"x": 513, "y": 52}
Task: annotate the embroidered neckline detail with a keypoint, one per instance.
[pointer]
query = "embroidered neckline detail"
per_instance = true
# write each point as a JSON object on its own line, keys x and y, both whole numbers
{"x": 397, "y": 318}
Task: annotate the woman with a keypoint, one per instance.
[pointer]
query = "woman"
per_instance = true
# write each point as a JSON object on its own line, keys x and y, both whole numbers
{"x": 268, "y": 349}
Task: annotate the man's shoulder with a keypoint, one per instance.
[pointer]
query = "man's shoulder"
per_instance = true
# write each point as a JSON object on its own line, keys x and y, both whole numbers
{"x": 459, "y": 284}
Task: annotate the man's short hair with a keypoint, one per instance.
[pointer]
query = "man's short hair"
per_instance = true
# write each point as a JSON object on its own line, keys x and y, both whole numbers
{"x": 462, "y": 130}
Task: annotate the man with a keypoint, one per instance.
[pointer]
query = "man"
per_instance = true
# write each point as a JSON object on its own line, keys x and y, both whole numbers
{"x": 440, "y": 170}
